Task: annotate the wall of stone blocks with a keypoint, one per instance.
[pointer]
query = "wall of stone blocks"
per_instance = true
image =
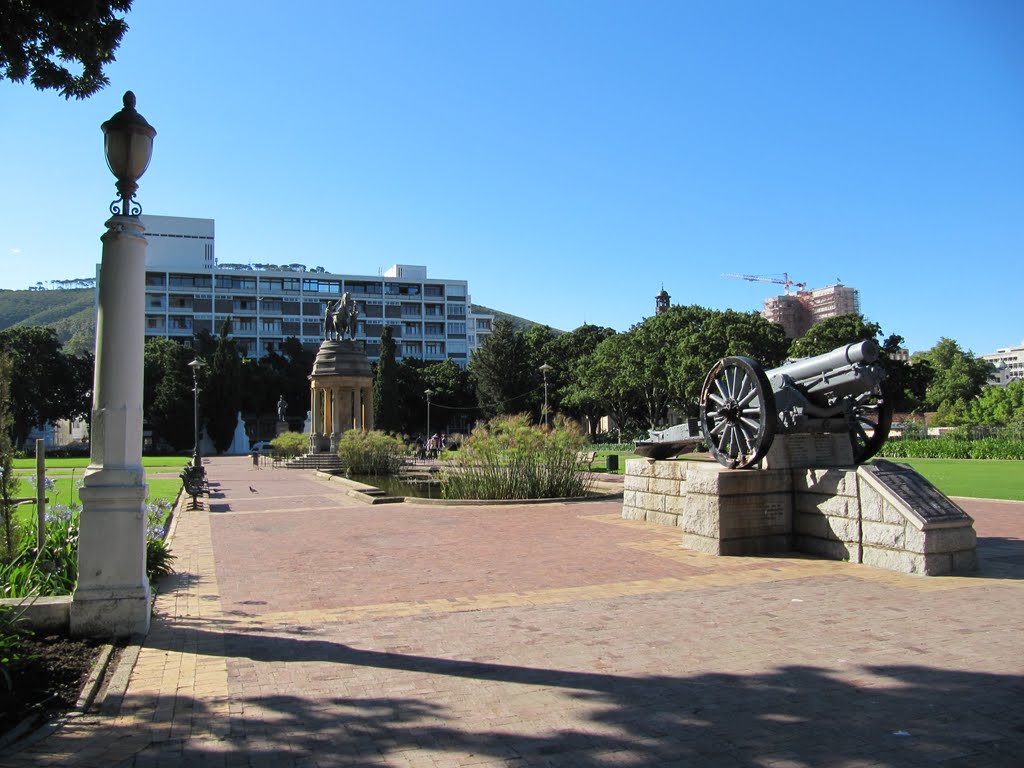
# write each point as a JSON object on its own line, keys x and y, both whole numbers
{"x": 836, "y": 513}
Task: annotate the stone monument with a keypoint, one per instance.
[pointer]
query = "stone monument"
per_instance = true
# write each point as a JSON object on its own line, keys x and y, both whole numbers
{"x": 341, "y": 384}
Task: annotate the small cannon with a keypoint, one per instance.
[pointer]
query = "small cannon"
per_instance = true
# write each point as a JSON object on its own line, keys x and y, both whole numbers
{"x": 743, "y": 407}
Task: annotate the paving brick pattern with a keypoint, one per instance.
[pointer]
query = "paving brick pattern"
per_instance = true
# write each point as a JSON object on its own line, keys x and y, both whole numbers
{"x": 307, "y": 629}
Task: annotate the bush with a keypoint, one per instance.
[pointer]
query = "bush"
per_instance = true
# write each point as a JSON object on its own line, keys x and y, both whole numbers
{"x": 953, "y": 446}
{"x": 371, "y": 453}
{"x": 289, "y": 444}
{"x": 510, "y": 458}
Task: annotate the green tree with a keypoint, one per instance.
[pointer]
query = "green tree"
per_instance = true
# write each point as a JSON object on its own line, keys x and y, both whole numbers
{"x": 606, "y": 381}
{"x": 958, "y": 377}
{"x": 501, "y": 371}
{"x": 999, "y": 406}
{"x": 826, "y": 335}
{"x": 38, "y": 37}
{"x": 167, "y": 392}
{"x": 541, "y": 344}
{"x": 222, "y": 398}
{"x": 46, "y": 384}
{"x": 385, "y": 385}
{"x": 572, "y": 353}
{"x": 8, "y": 482}
{"x": 703, "y": 336}
{"x": 453, "y": 404}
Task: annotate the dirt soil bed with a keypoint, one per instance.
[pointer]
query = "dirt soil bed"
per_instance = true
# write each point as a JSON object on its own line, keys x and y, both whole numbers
{"x": 49, "y": 683}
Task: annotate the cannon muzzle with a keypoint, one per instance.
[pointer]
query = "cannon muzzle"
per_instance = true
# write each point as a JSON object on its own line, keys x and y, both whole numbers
{"x": 808, "y": 367}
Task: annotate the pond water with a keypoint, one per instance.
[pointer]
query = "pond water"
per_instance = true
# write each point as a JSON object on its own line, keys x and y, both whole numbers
{"x": 394, "y": 486}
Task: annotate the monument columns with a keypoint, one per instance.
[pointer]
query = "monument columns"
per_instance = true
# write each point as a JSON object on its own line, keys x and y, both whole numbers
{"x": 343, "y": 375}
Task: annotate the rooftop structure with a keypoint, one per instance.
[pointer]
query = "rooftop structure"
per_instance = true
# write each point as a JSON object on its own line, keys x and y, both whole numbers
{"x": 188, "y": 291}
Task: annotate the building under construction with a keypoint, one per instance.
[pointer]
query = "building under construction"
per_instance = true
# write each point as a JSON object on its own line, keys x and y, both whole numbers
{"x": 797, "y": 312}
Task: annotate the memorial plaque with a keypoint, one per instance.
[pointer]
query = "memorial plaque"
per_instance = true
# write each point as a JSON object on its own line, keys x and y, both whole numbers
{"x": 920, "y": 495}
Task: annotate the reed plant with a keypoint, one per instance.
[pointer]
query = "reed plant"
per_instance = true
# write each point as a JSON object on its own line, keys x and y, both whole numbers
{"x": 511, "y": 458}
{"x": 371, "y": 453}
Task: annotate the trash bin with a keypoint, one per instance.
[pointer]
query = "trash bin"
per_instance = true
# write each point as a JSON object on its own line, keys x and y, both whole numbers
{"x": 613, "y": 462}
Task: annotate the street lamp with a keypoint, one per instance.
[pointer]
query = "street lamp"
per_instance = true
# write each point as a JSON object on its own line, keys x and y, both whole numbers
{"x": 128, "y": 146}
{"x": 428, "y": 393}
{"x": 544, "y": 370}
{"x": 112, "y": 595}
{"x": 197, "y": 459}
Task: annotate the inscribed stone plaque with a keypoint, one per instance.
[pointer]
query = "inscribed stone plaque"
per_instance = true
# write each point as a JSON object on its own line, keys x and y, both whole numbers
{"x": 916, "y": 492}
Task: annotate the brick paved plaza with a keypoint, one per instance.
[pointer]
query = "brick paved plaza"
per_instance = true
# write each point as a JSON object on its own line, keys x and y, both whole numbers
{"x": 307, "y": 629}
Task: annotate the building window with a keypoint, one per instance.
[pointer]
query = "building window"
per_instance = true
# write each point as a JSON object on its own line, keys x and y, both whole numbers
{"x": 156, "y": 279}
{"x": 459, "y": 328}
{"x": 243, "y": 325}
{"x": 433, "y": 310}
{"x": 244, "y": 305}
{"x": 433, "y": 290}
{"x": 155, "y": 324}
{"x": 321, "y": 286}
{"x": 189, "y": 281}
{"x": 272, "y": 284}
{"x": 411, "y": 329}
{"x": 457, "y": 347}
{"x": 155, "y": 302}
{"x": 434, "y": 348}
{"x": 180, "y": 302}
{"x": 292, "y": 284}
{"x": 236, "y": 283}
{"x": 433, "y": 329}
{"x": 483, "y": 325}
{"x": 456, "y": 310}
{"x": 181, "y": 323}
{"x": 271, "y": 306}
{"x": 411, "y": 310}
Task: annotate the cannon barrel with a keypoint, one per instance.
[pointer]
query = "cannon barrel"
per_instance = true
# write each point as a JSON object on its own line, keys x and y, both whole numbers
{"x": 806, "y": 368}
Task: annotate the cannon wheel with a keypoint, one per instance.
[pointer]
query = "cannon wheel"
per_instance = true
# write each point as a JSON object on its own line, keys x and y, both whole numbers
{"x": 870, "y": 419}
{"x": 737, "y": 412}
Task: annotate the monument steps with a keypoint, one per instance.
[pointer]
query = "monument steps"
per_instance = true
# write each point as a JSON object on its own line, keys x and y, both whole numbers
{"x": 325, "y": 462}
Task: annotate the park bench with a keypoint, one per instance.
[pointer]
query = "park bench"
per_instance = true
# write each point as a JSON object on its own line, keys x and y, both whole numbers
{"x": 194, "y": 481}
{"x": 586, "y": 458}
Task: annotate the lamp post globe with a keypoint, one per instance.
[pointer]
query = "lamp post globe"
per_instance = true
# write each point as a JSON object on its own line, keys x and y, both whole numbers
{"x": 128, "y": 147}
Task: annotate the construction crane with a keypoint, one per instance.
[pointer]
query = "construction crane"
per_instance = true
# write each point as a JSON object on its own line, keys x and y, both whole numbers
{"x": 785, "y": 281}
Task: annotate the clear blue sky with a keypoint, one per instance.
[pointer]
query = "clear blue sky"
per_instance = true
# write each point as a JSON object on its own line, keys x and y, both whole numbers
{"x": 567, "y": 158}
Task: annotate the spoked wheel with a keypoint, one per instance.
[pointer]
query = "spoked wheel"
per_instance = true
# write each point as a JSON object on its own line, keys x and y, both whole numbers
{"x": 737, "y": 412}
{"x": 870, "y": 419}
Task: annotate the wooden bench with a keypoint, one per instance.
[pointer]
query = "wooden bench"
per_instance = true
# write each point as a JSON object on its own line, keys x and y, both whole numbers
{"x": 586, "y": 458}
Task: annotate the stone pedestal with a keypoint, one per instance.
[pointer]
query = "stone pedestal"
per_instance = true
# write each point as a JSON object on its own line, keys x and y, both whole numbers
{"x": 112, "y": 597}
{"x": 280, "y": 428}
{"x": 341, "y": 393}
{"x": 879, "y": 514}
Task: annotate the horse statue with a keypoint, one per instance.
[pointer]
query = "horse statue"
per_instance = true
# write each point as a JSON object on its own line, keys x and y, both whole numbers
{"x": 341, "y": 317}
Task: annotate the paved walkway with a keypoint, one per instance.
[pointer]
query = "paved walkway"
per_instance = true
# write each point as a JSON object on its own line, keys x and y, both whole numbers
{"x": 307, "y": 629}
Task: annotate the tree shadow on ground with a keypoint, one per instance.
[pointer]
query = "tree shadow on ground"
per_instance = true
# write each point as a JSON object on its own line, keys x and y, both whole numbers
{"x": 793, "y": 715}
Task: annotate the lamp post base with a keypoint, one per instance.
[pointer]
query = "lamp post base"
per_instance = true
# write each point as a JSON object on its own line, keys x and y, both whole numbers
{"x": 112, "y": 598}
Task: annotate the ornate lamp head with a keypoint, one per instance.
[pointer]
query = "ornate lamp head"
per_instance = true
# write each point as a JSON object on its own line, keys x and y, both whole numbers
{"x": 128, "y": 146}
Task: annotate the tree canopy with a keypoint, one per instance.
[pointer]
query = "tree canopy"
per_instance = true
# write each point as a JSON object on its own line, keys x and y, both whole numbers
{"x": 39, "y": 37}
{"x": 46, "y": 384}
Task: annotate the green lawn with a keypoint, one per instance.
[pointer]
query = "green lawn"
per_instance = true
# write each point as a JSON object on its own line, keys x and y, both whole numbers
{"x": 983, "y": 479}
{"x": 161, "y": 477}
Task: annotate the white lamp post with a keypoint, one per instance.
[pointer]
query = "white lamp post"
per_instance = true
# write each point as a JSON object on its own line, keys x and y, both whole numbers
{"x": 544, "y": 371}
{"x": 112, "y": 597}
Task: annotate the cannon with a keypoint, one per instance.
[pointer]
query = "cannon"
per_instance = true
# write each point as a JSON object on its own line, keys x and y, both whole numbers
{"x": 743, "y": 407}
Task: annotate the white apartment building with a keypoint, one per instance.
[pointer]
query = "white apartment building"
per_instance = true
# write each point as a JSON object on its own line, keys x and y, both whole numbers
{"x": 188, "y": 290}
{"x": 1009, "y": 364}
